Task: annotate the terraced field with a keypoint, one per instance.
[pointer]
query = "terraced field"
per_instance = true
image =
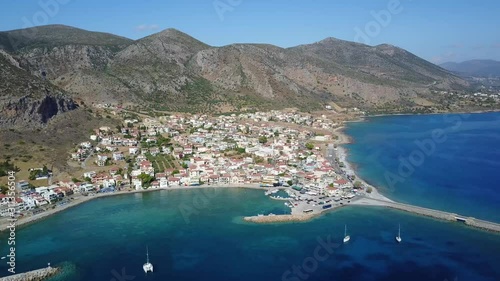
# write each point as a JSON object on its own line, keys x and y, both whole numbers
{"x": 161, "y": 162}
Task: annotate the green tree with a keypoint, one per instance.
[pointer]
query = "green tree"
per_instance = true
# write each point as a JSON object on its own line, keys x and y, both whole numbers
{"x": 369, "y": 189}
{"x": 309, "y": 146}
{"x": 262, "y": 139}
{"x": 258, "y": 159}
{"x": 145, "y": 179}
{"x": 3, "y": 189}
{"x": 357, "y": 184}
{"x": 289, "y": 182}
{"x": 33, "y": 174}
{"x": 6, "y": 166}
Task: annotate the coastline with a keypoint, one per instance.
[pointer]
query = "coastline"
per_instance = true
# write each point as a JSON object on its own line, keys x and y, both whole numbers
{"x": 375, "y": 198}
{"x": 4, "y": 225}
{"x": 342, "y": 154}
{"x": 434, "y": 113}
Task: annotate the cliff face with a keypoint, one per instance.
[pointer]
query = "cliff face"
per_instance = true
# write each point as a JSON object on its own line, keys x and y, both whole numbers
{"x": 33, "y": 111}
{"x": 27, "y": 100}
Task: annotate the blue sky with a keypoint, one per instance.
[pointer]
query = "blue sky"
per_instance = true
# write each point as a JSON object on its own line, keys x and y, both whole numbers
{"x": 442, "y": 30}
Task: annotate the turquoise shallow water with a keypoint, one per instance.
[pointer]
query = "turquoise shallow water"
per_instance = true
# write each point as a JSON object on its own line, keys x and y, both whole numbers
{"x": 104, "y": 238}
{"x": 459, "y": 170}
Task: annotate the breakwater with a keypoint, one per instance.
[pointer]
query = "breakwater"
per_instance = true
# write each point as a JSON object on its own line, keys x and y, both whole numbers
{"x": 365, "y": 201}
{"x": 442, "y": 215}
{"x": 280, "y": 218}
{"x": 34, "y": 275}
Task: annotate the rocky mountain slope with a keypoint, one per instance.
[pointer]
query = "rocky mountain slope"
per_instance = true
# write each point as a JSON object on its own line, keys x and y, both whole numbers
{"x": 170, "y": 70}
{"x": 27, "y": 100}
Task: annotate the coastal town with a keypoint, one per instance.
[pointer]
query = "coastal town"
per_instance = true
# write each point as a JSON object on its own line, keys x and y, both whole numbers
{"x": 272, "y": 150}
{"x": 293, "y": 156}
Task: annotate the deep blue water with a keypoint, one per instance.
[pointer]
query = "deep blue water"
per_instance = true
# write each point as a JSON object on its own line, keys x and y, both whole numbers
{"x": 452, "y": 161}
{"x": 207, "y": 240}
{"x": 199, "y": 234}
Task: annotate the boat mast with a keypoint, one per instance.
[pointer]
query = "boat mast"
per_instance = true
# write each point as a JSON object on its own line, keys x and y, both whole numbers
{"x": 399, "y": 231}
{"x": 147, "y": 254}
{"x": 345, "y": 230}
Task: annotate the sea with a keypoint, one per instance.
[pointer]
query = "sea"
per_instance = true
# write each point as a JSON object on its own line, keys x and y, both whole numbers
{"x": 200, "y": 234}
{"x": 449, "y": 162}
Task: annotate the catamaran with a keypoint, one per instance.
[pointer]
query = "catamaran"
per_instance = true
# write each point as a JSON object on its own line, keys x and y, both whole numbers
{"x": 398, "y": 238}
{"x": 148, "y": 267}
{"x": 346, "y": 237}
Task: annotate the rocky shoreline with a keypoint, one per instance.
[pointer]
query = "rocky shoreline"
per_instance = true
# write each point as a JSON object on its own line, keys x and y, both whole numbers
{"x": 280, "y": 218}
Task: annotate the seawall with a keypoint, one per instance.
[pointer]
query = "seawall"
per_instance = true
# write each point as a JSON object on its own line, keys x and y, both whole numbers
{"x": 279, "y": 218}
{"x": 35, "y": 275}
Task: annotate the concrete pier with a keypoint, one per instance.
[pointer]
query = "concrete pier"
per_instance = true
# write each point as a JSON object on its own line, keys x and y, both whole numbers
{"x": 35, "y": 275}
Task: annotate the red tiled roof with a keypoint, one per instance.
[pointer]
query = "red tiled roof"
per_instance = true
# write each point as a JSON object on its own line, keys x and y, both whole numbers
{"x": 341, "y": 181}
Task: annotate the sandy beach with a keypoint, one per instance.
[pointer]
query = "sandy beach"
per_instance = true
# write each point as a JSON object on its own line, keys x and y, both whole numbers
{"x": 341, "y": 152}
{"x": 79, "y": 199}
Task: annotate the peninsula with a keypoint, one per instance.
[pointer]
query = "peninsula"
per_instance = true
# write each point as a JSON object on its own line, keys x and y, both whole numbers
{"x": 299, "y": 153}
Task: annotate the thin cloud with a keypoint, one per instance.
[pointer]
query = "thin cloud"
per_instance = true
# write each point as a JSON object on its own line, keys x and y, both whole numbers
{"x": 455, "y": 46}
{"x": 446, "y": 57}
{"x": 479, "y": 47}
{"x": 147, "y": 27}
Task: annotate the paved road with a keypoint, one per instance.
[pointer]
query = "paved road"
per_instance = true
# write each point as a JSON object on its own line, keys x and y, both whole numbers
{"x": 84, "y": 161}
{"x": 330, "y": 156}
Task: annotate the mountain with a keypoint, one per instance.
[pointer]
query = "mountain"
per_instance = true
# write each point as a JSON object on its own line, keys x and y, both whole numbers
{"x": 476, "y": 68}
{"x": 50, "y": 36}
{"x": 171, "y": 70}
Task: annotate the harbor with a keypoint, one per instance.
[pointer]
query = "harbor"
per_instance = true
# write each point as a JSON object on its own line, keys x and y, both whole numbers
{"x": 304, "y": 209}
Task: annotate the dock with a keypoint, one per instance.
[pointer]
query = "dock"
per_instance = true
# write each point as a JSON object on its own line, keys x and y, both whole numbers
{"x": 34, "y": 275}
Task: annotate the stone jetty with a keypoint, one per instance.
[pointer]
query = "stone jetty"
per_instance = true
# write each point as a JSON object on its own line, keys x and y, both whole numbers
{"x": 35, "y": 275}
{"x": 280, "y": 218}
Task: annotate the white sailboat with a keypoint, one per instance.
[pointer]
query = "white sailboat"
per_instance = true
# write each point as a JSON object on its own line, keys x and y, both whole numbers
{"x": 346, "y": 237}
{"x": 148, "y": 267}
{"x": 398, "y": 238}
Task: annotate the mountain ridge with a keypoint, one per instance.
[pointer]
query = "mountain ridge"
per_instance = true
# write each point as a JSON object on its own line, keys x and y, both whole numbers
{"x": 171, "y": 70}
{"x": 477, "y": 67}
